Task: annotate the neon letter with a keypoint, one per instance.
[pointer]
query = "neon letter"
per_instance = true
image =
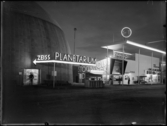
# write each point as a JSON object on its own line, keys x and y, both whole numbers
{"x": 39, "y": 56}
{"x": 48, "y": 57}
{"x": 69, "y": 57}
{"x": 65, "y": 57}
{"x": 77, "y": 59}
{"x": 56, "y": 55}
{"x": 74, "y": 58}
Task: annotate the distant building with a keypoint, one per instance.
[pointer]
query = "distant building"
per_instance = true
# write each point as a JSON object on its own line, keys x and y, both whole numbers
{"x": 147, "y": 70}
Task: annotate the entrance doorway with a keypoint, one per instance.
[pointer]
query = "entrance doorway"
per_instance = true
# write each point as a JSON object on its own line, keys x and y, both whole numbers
{"x": 35, "y": 78}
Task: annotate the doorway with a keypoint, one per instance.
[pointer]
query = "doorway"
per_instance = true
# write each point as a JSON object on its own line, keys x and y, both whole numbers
{"x": 26, "y": 78}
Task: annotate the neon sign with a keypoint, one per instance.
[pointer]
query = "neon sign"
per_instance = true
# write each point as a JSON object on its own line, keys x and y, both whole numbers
{"x": 126, "y": 32}
{"x": 43, "y": 57}
{"x": 99, "y": 68}
{"x": 121, "y": 55}
{"x": 74, "y": 58}
{"x": 66, "y": 59}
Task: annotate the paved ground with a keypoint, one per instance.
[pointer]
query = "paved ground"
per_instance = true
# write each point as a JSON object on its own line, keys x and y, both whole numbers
{"x": 143, "y": 104}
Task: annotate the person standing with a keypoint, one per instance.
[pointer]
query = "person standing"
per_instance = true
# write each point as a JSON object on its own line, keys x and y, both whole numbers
{"x": 119, "y": 80}
{"x": 128, "y": 80}
{"x": 31, "y": 77}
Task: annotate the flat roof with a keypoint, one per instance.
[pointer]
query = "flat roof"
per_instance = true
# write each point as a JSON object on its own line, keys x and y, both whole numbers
{"x": 134, "y": 49}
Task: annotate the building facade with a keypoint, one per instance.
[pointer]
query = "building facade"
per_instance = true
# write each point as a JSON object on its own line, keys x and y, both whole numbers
{"x": 28, "y": 31}
{"x": 144, "y": 68}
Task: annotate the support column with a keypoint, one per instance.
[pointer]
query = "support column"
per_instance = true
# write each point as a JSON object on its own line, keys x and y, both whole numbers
{"x": 138, "y": 65}
{"x": 106, "y": 64}
{"x": 162, "y": 70}
{"x": 151, "y": 68}
{"x": 123, "y": 65}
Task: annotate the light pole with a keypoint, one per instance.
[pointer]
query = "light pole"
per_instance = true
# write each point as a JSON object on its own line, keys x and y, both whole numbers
{"x": 74, "y": 77}
{"x": 74, "y": 38}
{"x": 126, "y": 32}
{"x": 123, "y": 63}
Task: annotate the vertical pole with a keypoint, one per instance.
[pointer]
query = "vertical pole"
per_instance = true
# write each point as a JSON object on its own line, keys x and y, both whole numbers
{"x": 151, "y": 68}
{"x": 162, "y": 70}
{"x": 123, "y": 65}
{"x": 152, "y": 64}
{"x": 40, "y": 76}
{"x": 54, "y": 76}
{"x": 74, "y": 39}
{"x": 1, "y": 74}
{"x": 138, "y": 66}
{"x": 107, "y": 64}
{"x": 74, "y": 77}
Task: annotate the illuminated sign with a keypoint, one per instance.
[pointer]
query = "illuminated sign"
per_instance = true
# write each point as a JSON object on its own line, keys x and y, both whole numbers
{"x": 74, "y": 58}
{"x": 43, "y": 57}
{"x": 126, "y": 32}
{"x": 66, "y": 59}
{"x": 120, "y": 55}
{"x": 102, "y": 67}
{"x": 117, "y": 67}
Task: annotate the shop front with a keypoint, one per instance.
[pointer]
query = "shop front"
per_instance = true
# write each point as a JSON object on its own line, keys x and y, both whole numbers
{"x": 143, "y": 68}
{"x": 104, "y": 70}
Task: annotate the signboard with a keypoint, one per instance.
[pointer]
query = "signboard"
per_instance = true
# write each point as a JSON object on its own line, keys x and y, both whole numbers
{"x": 65, "y": 58}
{"x": 74, "y": 58}
{"x": 54, "y": 73}
{"x": 81, "y": 75}
{"x": 102, "y": 66}
{"x": 117, "y": 67}
{"x": 121, "y": 55}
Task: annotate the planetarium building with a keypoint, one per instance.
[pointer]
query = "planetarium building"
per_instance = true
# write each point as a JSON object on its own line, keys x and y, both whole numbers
{"x": 28, "y": 33}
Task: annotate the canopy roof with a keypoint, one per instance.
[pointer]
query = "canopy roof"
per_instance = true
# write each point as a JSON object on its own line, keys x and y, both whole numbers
{"x": 134, "y": 49}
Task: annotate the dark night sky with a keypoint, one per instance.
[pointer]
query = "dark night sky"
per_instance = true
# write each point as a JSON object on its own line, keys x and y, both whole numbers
{"x": 96, "y": 22}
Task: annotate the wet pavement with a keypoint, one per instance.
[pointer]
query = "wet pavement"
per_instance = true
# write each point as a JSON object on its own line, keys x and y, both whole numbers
{"x": 143, "y": 104}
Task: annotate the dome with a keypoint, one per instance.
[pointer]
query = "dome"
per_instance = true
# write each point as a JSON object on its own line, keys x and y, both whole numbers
{"x": 29, "y": 8}
{"x": 29, "y": 31}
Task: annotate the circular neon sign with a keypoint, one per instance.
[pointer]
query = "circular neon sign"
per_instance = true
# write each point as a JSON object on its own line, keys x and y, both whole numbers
{"x": 126, "y": 32}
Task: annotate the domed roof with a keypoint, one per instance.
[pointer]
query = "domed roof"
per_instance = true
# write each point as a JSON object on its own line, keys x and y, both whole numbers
{"x": 30, "y": 8}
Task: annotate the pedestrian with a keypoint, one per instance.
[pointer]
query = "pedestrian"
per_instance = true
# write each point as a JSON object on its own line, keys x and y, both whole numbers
{"x": 31, "y": 77}
{"x": 119, "y": 80}
{"x": 111, "y": 81}
{"x": 128, "y": 80}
